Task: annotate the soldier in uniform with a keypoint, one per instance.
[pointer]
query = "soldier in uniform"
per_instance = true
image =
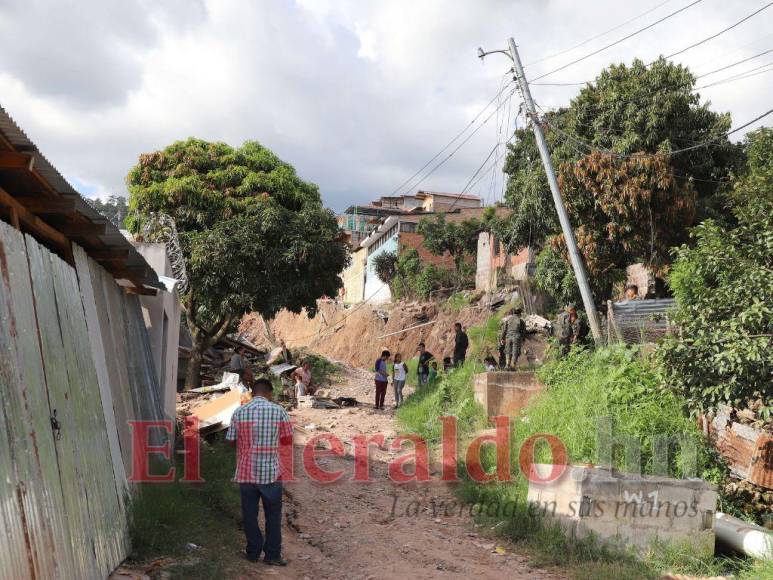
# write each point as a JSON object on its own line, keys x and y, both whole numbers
{"x": 563, "y": 328}
{"x": 570, "y": 329}
{"x": 513, "y": 334}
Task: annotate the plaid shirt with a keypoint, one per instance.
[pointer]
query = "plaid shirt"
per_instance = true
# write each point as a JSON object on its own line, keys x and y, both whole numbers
{"x": 257, "y": 427}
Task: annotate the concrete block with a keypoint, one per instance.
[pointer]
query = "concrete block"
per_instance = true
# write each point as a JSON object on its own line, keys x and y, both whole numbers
{"x": 627, "y": 509}
{"x": 505, "y": 393}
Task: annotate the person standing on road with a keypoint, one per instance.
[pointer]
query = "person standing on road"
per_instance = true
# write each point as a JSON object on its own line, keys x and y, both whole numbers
{"x": 423, "y": 369}
{"x": 382, "y": 378}
{"x": 399, "y": 374}
{"x": 257, "y": 429}
{"x": 461, "y": 343}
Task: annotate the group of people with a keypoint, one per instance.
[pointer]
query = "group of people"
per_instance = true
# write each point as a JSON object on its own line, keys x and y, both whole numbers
{"x": 426, "y": 369}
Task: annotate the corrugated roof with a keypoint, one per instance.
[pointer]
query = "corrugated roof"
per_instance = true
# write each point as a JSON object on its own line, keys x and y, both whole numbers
{"x": 112, "y": 238}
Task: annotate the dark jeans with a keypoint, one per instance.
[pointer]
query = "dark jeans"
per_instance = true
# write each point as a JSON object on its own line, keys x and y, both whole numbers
{"x": 381, "y": 389}
{"x": 271, "y": 494}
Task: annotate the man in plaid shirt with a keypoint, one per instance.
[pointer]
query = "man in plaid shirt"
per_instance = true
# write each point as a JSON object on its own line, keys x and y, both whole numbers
{"x": 258, "y": 429}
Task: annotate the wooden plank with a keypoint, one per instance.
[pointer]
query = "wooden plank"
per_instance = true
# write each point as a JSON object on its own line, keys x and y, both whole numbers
{"x": 83, "y": 229}
{"x": 46, "y": 205}
{"x": 108, "y": 255}
{"x": 14, "y": 160}
{"x": 36, "y": 226}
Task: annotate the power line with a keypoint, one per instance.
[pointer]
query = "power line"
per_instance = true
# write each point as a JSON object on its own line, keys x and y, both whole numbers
{"x": 452, "y": 141}
{"x": 735, "y": 63}
{"x": 681, "y": 51}
{"x": 739, "y": 77}
{"x": 451, "y": 154}
{"x": 618, "y": 41}
{"x": 592, "y": 148}
{"x": 592, "y": 38}
{"x": 713, "y": 36}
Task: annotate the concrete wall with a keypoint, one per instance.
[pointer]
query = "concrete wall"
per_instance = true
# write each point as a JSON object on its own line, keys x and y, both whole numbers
{"x": 627, "y": 509}
{"x": 162, "y": 320}
{"x": 505, "y": 393}
{"x": 491, "y": 260}
{"x": 354, "y": 278}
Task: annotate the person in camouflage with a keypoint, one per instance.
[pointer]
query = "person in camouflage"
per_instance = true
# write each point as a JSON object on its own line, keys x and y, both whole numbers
{"x": 570, "y": 329}
{"x": 513, "y": 335}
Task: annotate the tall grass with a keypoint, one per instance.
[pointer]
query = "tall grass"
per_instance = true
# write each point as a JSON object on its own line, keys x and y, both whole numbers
{"x": 615, "y": 383}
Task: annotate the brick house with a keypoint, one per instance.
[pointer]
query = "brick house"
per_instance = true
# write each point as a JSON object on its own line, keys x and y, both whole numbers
{"x": 396, "y": 234}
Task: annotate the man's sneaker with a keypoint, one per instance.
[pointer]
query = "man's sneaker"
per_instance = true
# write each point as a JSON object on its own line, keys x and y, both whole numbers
{"x": 252, "y": 558}
{"x": 275, "y": 562}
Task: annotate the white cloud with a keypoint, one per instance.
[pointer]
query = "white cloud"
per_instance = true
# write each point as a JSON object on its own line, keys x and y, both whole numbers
{"x": 357, "y": 95}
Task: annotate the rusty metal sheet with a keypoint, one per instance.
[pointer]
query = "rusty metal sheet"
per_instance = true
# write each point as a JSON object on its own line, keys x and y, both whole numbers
{"x": 736, "y": 443}
{"x": 25, "y": 400}
{"x": 761, "y": 472}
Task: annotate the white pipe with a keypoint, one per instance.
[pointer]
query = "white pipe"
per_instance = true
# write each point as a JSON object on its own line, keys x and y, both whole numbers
{"x": 754, "y": 541}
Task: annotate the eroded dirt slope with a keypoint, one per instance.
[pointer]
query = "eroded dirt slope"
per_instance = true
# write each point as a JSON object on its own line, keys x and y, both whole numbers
{"x": 356, "y": 335}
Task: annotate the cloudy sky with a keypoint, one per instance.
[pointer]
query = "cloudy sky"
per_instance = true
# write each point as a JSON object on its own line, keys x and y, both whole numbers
{"x": 356, "y": 94}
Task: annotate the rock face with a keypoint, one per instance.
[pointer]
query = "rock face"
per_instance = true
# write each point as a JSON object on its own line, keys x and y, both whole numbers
{"x": 627, "y": 509}
{"x": 504, "y": 392}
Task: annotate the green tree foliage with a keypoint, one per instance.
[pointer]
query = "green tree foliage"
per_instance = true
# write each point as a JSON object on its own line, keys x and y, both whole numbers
{"x": 113, "y": 208}
{"x": 723, "y": 284}
{"x": 628, "y": 110}
{"x": 385, "y": 265}
{"x": 255, "y": 236}
{"x": 459, "y": 239}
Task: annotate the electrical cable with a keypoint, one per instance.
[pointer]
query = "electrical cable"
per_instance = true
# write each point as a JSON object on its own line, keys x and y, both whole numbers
{"x": 618, "y": 41}
{"x": 645, "y": 155}
{"x": 739, "y": 77}
{"x": 452, "y": 141}
{"x": 713, "y": 36}
{"x": 681, "y": 51}
{"x": 592, "y": 38}
{"x": 453, "y": 152}
{"x": 734, "y": 64}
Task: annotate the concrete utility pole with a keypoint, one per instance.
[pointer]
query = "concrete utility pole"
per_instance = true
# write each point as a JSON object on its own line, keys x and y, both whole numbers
{"x": 574, "y": 254}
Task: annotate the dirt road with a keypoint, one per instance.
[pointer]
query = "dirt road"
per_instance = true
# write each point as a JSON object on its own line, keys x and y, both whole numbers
{"x": 380, "y": 529}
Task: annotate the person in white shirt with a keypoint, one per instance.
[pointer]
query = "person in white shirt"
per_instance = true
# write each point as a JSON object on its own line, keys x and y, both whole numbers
{"x": 302, "y": 378}
{"x": 399, "y": 374}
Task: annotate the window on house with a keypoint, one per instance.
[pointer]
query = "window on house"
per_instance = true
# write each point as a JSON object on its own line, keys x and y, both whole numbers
{"x": 408, "y": 227}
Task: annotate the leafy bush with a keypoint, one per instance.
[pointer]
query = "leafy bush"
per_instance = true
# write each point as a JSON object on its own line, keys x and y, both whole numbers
{"x": 723, "y": 285}
{"x": 385, "y": 265}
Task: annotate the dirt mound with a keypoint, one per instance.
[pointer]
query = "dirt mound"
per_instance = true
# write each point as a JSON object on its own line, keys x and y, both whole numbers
{"x": 357, "y": 334}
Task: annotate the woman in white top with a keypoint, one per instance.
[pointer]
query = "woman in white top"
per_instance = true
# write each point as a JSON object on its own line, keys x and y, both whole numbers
{"x": 399, "y": 374}
{"x": 302, "y": 378}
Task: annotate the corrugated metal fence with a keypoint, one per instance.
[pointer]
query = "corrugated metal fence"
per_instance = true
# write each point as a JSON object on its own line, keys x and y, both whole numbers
{"x": 75, "y": 367}
{"x": 638, "y": 321}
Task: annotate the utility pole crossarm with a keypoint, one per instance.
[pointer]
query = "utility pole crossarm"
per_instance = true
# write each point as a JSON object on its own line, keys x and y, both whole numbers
{"x": 566, "y": 227}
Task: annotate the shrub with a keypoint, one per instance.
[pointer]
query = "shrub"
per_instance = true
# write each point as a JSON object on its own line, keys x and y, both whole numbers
{"x": 723, "y": 285}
